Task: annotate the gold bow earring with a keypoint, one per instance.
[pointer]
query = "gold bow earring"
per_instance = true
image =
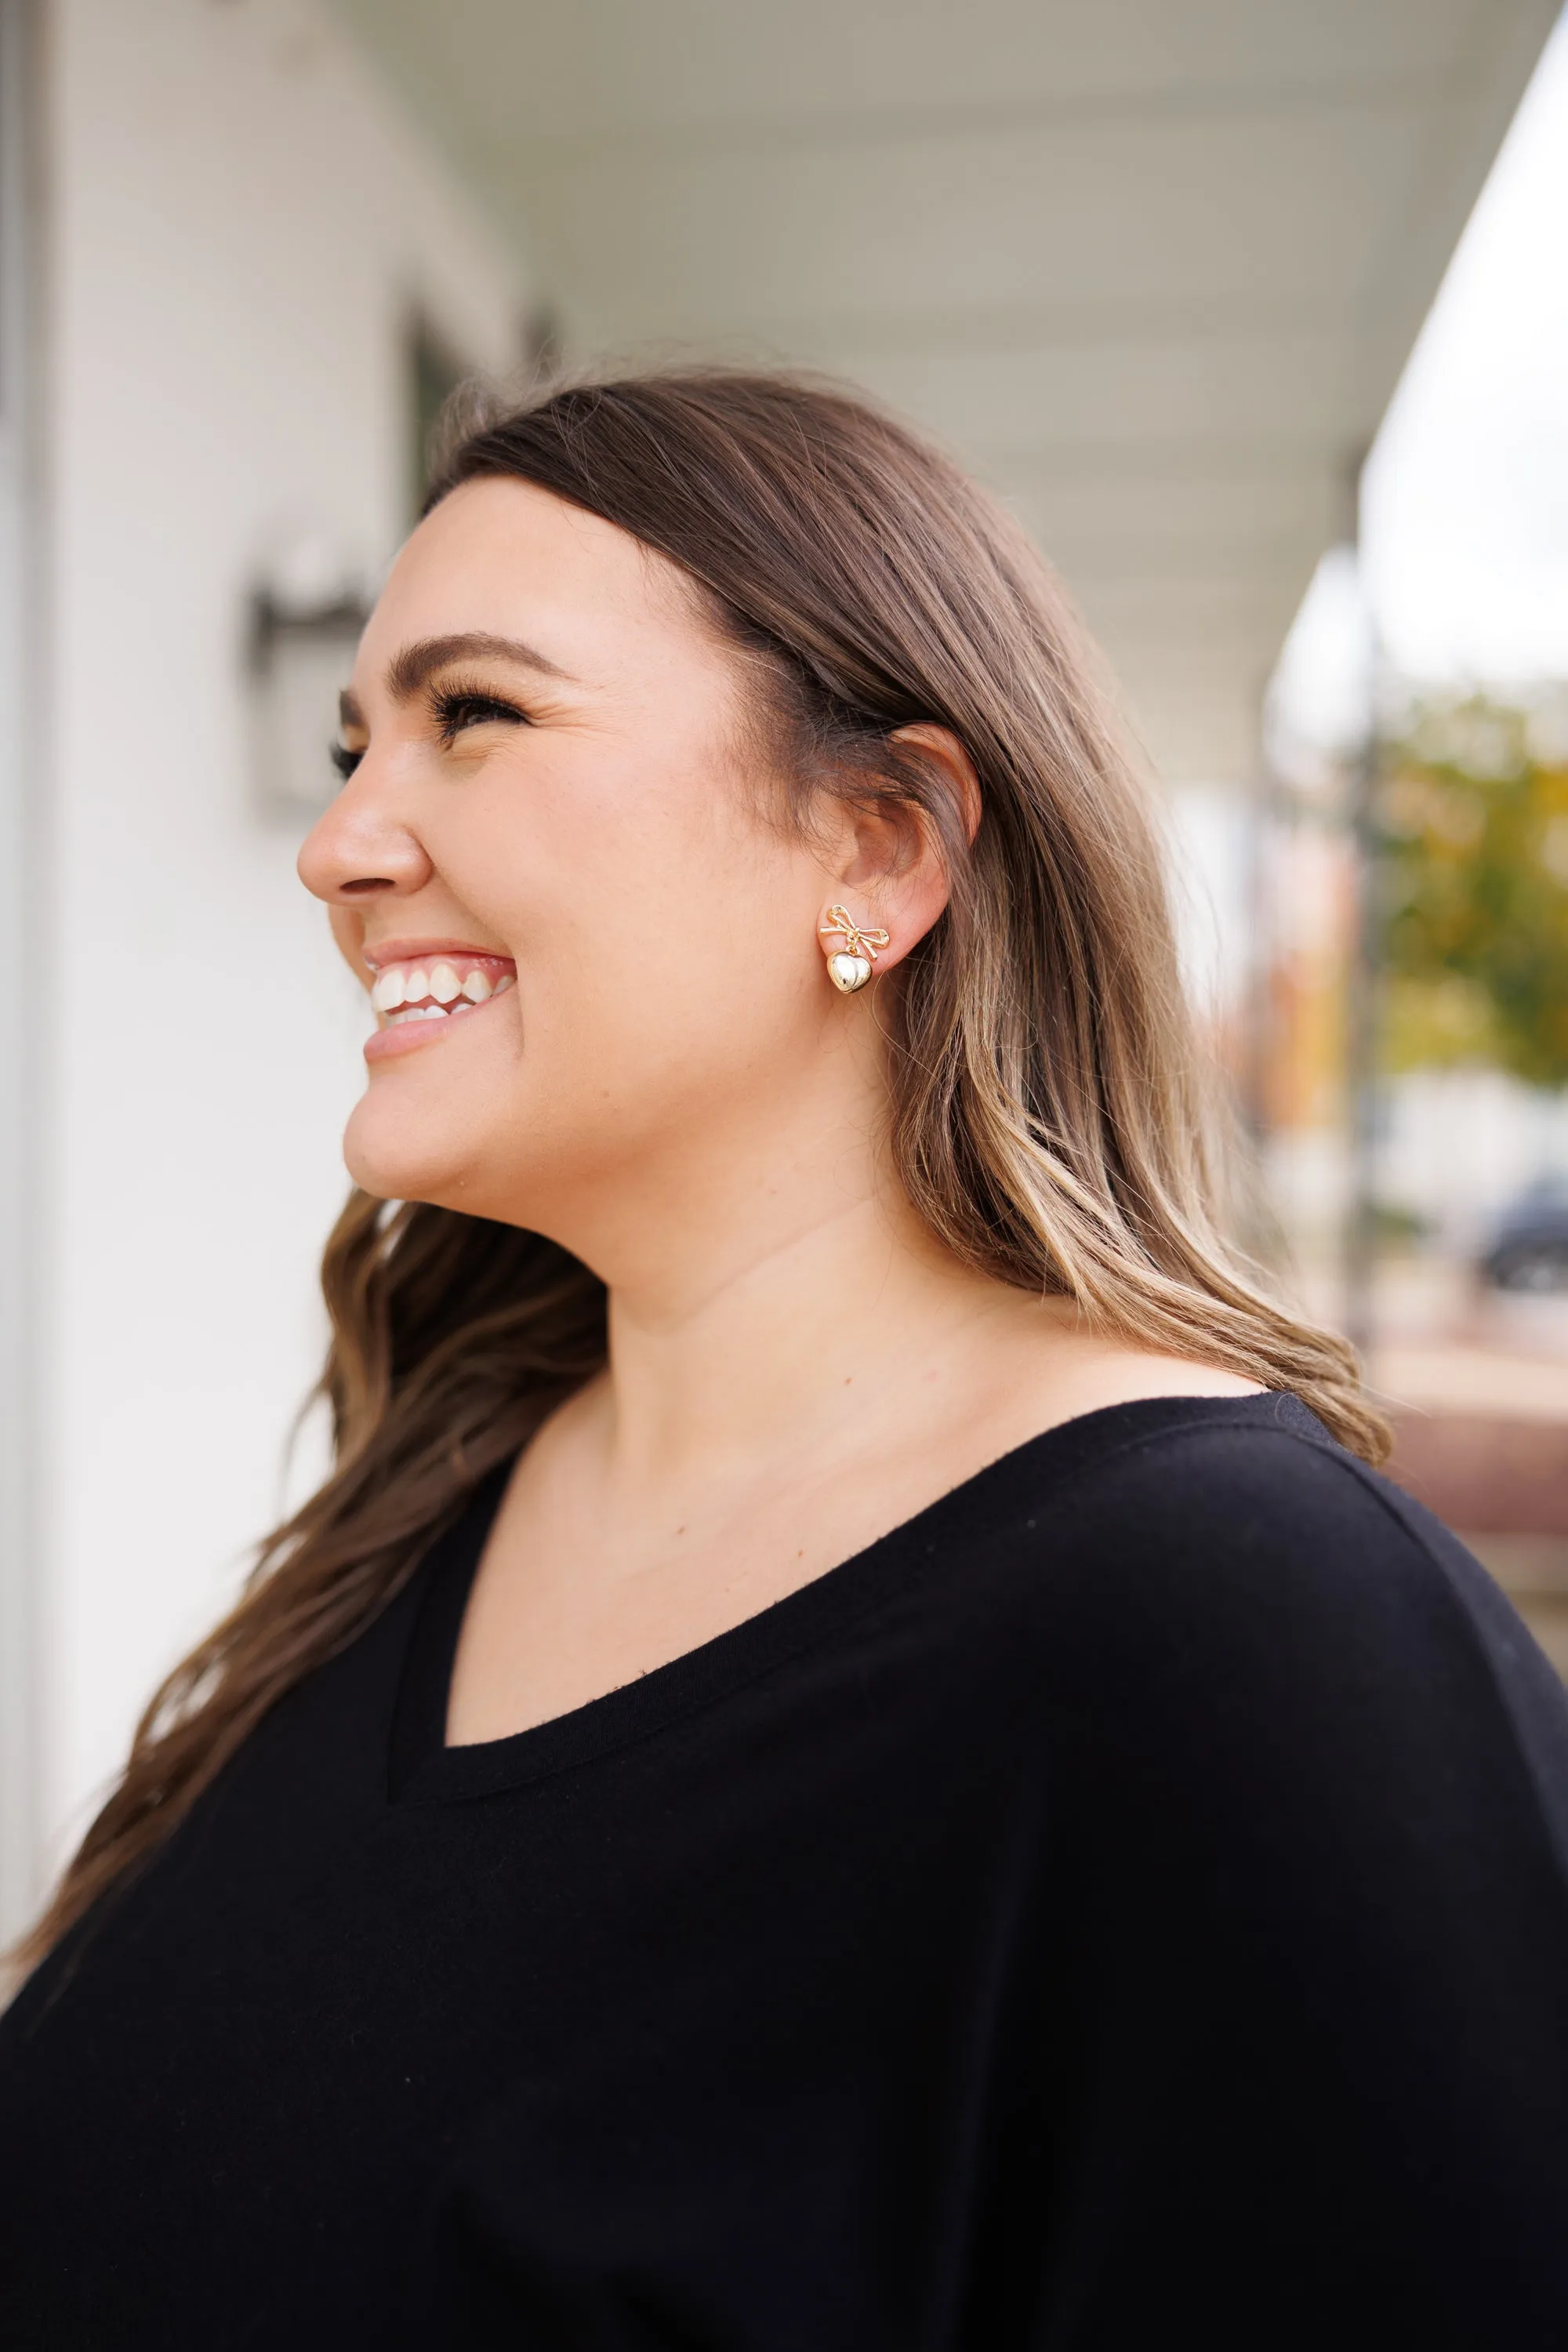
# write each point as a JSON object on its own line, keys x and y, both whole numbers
{"x": 850, "y": 968}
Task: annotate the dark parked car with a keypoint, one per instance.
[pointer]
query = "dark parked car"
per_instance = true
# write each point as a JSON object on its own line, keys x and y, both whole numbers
{"x": 1529, "y": 1250}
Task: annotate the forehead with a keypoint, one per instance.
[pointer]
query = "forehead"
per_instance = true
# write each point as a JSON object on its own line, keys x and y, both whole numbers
{"x": 507, "y": 559}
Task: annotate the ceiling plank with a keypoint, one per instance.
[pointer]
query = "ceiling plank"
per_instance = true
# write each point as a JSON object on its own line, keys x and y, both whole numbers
{"x": 1151, "y": 266}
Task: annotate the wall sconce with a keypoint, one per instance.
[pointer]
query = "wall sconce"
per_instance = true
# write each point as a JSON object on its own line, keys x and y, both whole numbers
{"x": 299, "y": 654}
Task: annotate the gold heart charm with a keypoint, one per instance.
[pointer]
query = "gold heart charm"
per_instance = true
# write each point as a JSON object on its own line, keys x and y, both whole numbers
{"x": 849, "y": 972}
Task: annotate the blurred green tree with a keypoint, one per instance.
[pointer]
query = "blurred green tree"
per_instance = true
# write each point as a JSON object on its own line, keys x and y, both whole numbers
{"x": 1472, "y": 827}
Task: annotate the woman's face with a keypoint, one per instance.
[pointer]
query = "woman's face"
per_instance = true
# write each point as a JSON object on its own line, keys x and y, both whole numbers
{"x": 557, "y": 825}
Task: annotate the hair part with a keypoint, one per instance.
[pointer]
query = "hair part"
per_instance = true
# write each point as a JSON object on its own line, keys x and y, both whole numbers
{"x": 1050, "y": 1117}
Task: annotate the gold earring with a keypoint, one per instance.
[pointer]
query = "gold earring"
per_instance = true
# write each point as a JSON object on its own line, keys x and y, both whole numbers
{"x": 851, "y": 968}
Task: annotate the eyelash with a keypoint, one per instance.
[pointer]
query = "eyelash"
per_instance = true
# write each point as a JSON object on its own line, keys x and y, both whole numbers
{"x": 451, "y": 708}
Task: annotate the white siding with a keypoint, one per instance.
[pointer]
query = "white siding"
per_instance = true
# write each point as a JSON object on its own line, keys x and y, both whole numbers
{"x": 241, "y": 218}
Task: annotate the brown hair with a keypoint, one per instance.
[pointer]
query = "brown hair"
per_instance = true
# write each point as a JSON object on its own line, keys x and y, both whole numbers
{"x": 1047, "y": 1113}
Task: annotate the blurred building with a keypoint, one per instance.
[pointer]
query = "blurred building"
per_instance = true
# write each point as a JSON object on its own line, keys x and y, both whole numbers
{"x": 1152, "y": 266}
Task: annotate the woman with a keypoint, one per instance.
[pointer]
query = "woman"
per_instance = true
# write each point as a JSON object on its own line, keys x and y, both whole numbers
{"x": 852, "y": 1755}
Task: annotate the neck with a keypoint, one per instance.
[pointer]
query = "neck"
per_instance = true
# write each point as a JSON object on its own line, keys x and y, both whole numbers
{"x": 767, "y": 1295}
{"x": 793, "y": 1343}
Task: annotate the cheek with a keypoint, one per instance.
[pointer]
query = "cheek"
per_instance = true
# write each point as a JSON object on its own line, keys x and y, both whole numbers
{"x": 665, "y": 1020}
{"x": 669, "y": 972}
{"x": 687, "y": 977}
{"x": 659, "y": 1010}
{"x": 640, "y": 905}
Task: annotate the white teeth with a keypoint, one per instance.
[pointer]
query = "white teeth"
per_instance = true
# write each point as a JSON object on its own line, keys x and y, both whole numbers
{"x": 409, "y": 986}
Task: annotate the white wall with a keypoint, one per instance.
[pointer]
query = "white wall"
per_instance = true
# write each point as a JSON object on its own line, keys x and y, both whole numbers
{"x": 241, "y": 218}
{"x": 1459, "y": 1145}
{"x": 1212, "y": 850}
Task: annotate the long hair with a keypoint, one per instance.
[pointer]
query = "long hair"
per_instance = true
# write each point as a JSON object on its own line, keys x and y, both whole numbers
{"x": 1048, "y": 1118}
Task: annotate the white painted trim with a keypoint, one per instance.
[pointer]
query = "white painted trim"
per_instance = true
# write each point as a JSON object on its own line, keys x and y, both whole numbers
{"x": 21, "y": 838}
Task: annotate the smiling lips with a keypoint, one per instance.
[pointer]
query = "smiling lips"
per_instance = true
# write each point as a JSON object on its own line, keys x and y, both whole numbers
{"x": 434, "y": 989}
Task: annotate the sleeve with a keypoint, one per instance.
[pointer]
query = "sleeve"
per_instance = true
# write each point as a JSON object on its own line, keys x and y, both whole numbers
{"x": 1306, "y": 2045}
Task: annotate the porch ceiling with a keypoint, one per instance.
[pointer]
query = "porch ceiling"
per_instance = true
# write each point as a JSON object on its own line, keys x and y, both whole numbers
{"x": 1152, "y": 266}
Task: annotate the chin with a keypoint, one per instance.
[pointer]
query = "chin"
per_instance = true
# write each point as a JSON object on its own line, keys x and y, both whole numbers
{"x": 388, "y": 1156}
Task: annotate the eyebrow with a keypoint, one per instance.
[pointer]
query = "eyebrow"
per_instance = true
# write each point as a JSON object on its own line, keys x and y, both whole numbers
{"x": 407, "y": 671}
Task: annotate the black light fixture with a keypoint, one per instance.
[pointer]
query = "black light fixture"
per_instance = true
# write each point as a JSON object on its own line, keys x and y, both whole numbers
{"x": 299, "y": 649}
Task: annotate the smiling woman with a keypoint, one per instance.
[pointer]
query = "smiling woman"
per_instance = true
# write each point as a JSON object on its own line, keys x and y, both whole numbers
{"x": 852, "y": 1750}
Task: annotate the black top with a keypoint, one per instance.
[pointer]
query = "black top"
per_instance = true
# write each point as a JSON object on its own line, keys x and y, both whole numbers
{"x": 1123, "y": 1904}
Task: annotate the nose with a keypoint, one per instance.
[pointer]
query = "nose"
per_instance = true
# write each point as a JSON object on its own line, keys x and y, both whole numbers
{"x": 360, "y": 850}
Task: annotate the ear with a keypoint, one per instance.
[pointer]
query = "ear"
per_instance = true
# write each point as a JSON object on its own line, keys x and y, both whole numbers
{"x": 942, "y": 746}
{"x": 887, "y": 865}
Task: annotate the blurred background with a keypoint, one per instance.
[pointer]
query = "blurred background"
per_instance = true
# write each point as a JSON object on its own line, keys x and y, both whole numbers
{"x": 1255, "y": 310}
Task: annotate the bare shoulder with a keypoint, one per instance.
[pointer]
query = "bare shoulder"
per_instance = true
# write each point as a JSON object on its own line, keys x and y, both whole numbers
{"x": 1049, "y": 1366}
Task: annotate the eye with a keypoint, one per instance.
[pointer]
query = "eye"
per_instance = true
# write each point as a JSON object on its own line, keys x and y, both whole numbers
{"x": 344, "y": 761}
{"x": 457, "y": 709}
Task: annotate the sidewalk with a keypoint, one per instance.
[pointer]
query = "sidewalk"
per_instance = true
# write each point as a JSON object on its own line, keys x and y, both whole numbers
{"x": 1481, "y": 1437}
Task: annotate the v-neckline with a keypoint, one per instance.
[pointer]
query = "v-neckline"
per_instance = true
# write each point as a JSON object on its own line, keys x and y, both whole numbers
{"x": 423, "y": 1769}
